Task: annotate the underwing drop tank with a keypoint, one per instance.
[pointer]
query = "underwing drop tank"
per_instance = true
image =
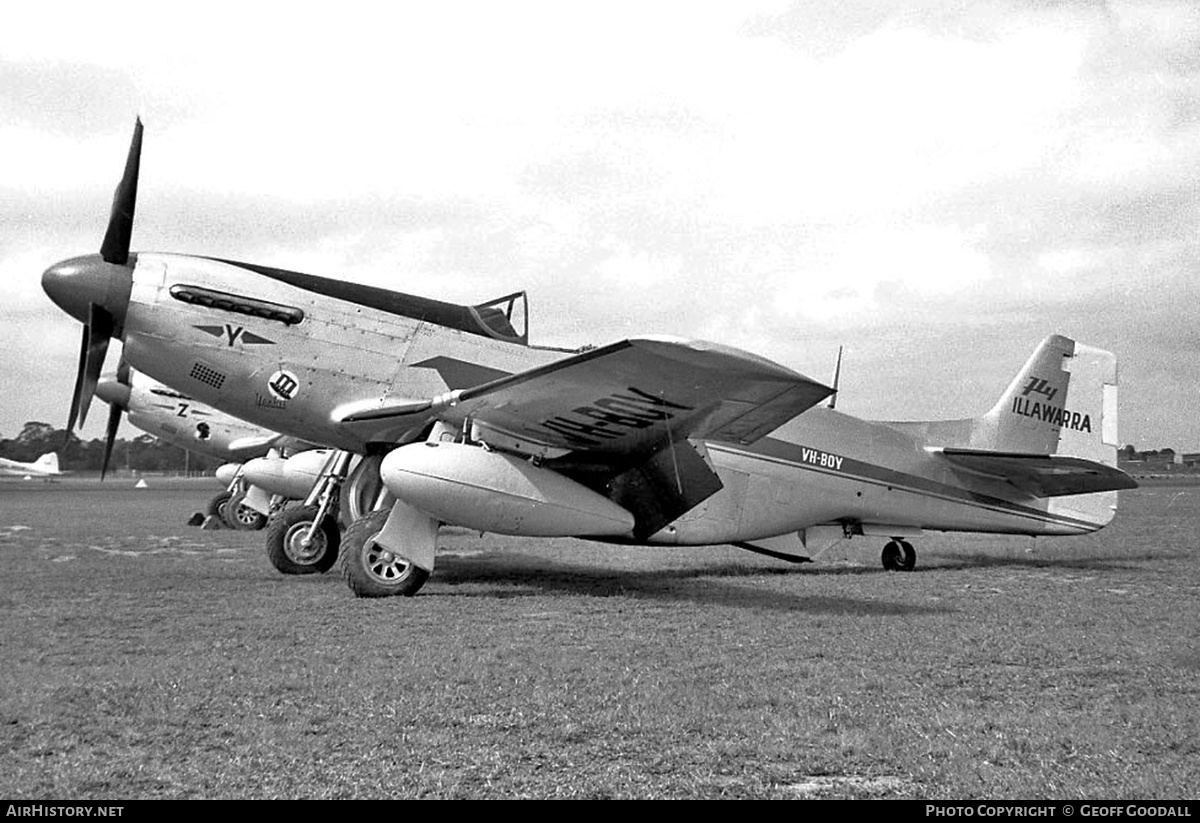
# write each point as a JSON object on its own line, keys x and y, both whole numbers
{"x": 226, "y": 472}
{"x": 489, "y": 491}
{"x": 292, "y": 477}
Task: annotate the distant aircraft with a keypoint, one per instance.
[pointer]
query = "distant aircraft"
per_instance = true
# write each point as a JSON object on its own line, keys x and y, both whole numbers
{"x": 267, "y": 469}
{"x": 179, "y": 419}
{"x": 44, "y": 466}
{"x": 649, "y": 440}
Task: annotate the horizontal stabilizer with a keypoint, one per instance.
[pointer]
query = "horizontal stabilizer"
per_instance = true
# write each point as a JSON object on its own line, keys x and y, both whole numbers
{"x": 1042, "y": 475}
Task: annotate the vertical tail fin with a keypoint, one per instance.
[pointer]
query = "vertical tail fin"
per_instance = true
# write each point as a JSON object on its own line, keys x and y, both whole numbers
{"x": 47, "y": 462}
{"x": 1064, "y": 402}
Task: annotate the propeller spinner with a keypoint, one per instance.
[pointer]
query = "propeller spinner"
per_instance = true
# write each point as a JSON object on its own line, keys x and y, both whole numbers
{"x": 95, "y": 288}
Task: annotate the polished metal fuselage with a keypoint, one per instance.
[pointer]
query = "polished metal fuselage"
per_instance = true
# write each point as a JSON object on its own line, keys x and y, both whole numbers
{"x": 300, "y": 378}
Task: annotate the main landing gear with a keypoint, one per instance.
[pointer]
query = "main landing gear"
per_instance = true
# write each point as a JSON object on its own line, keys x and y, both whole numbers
{"x": 307, "y": 539}
{"x": 230, "y": 509}
{"x": 899, "y": 556}
{"x": 390, "y": 551}
{"x": 370, "y": 569}
{"x": 302, "y": 540}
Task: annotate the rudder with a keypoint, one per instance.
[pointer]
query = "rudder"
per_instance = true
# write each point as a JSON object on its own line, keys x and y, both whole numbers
{"x": 1063, "y": 402}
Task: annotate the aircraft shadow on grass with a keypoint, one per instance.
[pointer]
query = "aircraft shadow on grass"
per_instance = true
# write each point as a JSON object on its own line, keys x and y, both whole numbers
{"x": 1131, "y": 562}
{"x": 523, "y": 576}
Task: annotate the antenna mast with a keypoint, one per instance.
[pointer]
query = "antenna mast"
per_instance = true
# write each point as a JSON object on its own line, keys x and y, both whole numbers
{"x": 837, "y": 374}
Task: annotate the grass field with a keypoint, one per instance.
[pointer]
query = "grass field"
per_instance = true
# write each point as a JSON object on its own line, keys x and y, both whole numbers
{"x": 141, "y": 658}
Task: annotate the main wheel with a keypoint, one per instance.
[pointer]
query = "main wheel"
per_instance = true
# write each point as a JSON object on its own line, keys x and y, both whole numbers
{"x": 242, "y": 516}
{"x": 899, "y": 556}
{"x": 214, "y": 505}
{"x": 373, "y": 571}
{"x": 286, "y": 546}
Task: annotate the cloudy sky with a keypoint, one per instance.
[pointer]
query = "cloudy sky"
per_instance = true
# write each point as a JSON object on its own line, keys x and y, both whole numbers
{"x": 935, "y": 188}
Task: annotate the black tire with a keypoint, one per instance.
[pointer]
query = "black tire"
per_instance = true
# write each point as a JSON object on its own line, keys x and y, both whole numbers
{"x": 372, "y": 571}
{"x": 242, "y": 516}
{"x": 214, "y": 505}
{"x": 285, "y": 549}
{"x": 361, "y": 490}
{"x": 899, "y": 556}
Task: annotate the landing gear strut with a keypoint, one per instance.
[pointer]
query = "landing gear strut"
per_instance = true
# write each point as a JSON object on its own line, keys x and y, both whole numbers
{"x": 301, "y": 541}
{"x": 899, "y": 556}
{"x": 305, "y": 539}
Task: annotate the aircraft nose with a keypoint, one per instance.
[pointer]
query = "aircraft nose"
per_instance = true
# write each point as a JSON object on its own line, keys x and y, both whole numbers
{"x": 80, "y": 282}
{"x": 113, "y": 392}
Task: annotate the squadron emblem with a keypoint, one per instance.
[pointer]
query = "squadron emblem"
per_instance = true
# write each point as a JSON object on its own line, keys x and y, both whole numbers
{"x": 283, "y": 385}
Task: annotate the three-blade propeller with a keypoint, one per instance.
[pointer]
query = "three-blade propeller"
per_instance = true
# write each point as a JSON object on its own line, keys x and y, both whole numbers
{"x": 101, "y": 324}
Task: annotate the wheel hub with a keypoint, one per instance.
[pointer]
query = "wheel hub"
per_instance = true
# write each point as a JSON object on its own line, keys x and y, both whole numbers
{"x": 382, "y": 564}
{"x": 299, "y": 548}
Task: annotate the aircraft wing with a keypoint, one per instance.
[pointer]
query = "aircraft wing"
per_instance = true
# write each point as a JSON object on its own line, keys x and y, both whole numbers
{"x": 632, "y": 397}
{"x": 1042, "y": 475}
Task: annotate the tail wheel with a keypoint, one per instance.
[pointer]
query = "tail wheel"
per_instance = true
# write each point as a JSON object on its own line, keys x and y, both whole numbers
{"x": 899, "y": 556}
{"x": 291, "y": 552}
{"x": 372, "y": 570}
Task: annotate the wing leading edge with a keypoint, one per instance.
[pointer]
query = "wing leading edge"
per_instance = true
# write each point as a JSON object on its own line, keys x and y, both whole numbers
{"x": 631, "y": 397}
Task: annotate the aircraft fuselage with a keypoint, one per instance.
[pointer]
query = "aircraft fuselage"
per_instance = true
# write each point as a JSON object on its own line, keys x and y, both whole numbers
{"x": 294, "y": 353}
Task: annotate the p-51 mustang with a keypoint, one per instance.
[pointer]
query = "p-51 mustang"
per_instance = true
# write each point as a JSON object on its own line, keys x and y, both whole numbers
{"x": 650, "y": 440}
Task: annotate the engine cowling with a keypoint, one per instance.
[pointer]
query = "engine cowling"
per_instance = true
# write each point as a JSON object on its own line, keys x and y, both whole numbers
{"x": 494, "y": 492}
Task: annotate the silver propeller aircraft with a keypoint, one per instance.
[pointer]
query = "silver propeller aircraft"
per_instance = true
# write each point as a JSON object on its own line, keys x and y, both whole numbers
{"x": 649, "y": 440}
{"x": 44, "y": 466}
{"x": 178, "y": 419}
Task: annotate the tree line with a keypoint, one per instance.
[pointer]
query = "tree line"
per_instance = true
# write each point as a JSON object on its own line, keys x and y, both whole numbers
{"x": 144, "y": 453}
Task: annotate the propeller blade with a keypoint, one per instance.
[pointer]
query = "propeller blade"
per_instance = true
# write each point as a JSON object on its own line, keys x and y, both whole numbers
{"x": 115, "y": 248}
{"x": 123, "y": 371}
{"x": 97, "y": 334}
{"x": 110, "y": 436}
{"x": 83, "y": 350}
